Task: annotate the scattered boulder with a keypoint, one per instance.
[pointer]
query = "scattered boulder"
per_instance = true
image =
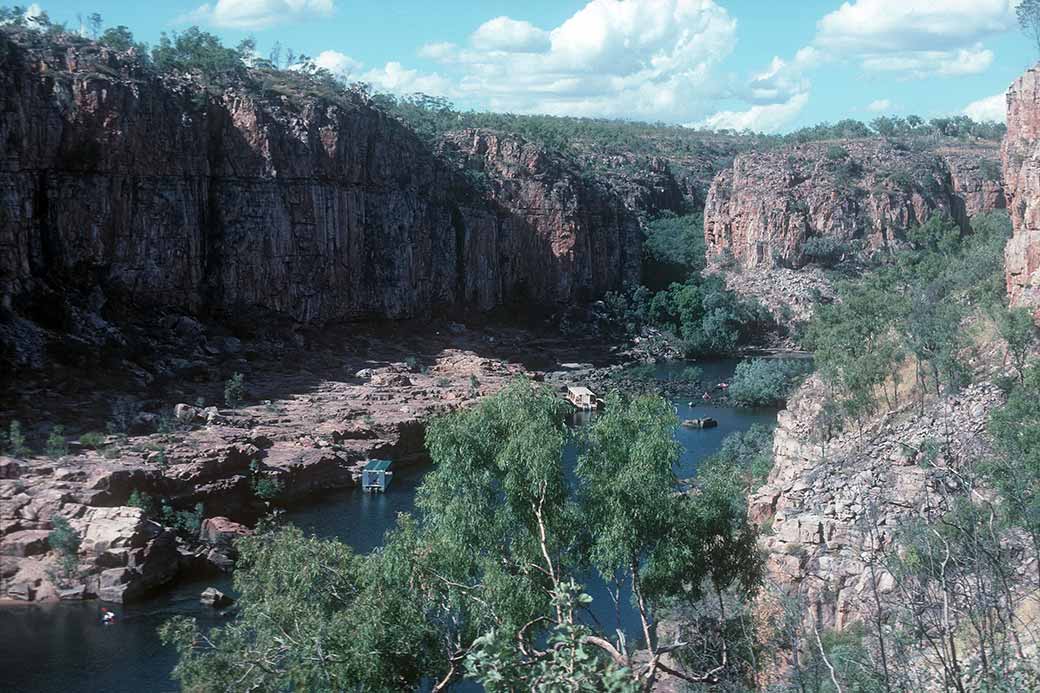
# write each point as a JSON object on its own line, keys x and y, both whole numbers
{"x": 220, "y": 559}
{"x": 27, "y": 542}
{"x": 391, "y": 379}
{"x": 9, "y": 468}
{"x": 103, "y": 529}
{"x": 75, "y": 593}
{"x": 149, "y": 567}
{"x": 185, "y": 413}
{"x": 220, "y": 531}
{"x": 213, "y": 597}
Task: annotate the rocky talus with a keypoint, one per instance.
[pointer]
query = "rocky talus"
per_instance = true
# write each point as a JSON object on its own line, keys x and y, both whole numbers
{"x": 121, "y": 187}
{"x": 1021, "y": 157}
{"x": 829, "y": 506}
{"x": 771, "y": 206}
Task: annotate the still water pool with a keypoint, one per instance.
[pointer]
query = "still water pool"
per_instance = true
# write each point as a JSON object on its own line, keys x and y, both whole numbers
{"x": 63, "y": 648}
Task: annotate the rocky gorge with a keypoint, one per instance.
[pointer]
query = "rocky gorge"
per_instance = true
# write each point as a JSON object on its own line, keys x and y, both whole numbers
{"x": 124, "y": 190}
{"x": 162, "y": 235}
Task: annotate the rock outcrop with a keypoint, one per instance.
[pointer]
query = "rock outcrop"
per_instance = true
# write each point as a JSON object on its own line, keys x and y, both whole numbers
{"x": 122, "y": 187}
{"x": 1021, "y": 156}
{"x": 829, "y": 508}
{"x": 772, "y": 207}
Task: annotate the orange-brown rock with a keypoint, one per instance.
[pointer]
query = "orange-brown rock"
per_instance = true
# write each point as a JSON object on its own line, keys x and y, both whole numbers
{"x": 1021, "y": 157}
{"x": 152, "y": 190}
{"x": 865, "y": 194}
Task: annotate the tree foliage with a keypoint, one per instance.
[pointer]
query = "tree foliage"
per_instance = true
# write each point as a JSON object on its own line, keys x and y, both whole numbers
{"x": 912, "y": 306}
{"x": 485, "y": 582}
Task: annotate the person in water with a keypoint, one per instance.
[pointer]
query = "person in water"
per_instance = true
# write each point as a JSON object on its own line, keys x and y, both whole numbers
{"x": 107, "y": 617}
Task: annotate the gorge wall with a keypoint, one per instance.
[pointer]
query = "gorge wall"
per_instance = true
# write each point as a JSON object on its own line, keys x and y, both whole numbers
{"x": 118, "y": 184}
{"x": 767, "y": 208}
{"x": 1021, "y": 158}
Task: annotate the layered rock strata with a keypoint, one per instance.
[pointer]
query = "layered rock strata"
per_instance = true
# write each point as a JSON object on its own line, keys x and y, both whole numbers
{"x": 785, "y": 206}
{"x": 1021, "y": 158}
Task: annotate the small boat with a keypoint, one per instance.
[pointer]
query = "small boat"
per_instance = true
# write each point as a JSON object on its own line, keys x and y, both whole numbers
{"x": 707, "y": 422}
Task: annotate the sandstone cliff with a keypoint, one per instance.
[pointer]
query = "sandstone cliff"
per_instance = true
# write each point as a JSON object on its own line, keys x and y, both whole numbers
{"x": 1021, "y": 157}
{"x": 151, "y": 190}
{"x": 855, "y": 195}
{"x": 829, "y": 508}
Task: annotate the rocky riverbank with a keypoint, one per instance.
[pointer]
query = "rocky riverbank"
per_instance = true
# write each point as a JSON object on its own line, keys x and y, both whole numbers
{"x": 315, "y": 409}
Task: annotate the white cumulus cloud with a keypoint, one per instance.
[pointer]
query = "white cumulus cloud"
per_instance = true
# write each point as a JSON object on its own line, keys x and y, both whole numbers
{"x": 256, "y": 14}
{"x": 646, "y": 59}
{"x": 918, "y": 64}
{"x": 880, "y": 105}
{"x": 339, "y": 64}
{"x": 991, "y": 109}
{"x": 916, "y": 38}
{"x": 392, "y": 77}
{"x": 768, "y": 118}
{"x": 505, "y": 34}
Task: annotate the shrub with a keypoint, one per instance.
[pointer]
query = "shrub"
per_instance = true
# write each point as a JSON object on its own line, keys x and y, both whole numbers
{"x": 15, "y": 440}
{"x": 235, "y": 390}
{"x": 92, "y": 439}
{"x": 124, "y": 411}
{"x": 990, "y": 170}
{"x": 143, "y": 501}
{"x": 57, "y": 446}
{"x": 824, "y": 250}
{"x": 267, "y": 488}
{"x": 837, "y": 153}
{"x": 188, "y": 522}
{"x": 66, "y": 542}
{"x": 766, "y": 382}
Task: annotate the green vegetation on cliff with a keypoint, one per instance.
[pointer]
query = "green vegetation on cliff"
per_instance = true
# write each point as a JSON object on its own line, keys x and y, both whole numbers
{"x": 911, "y": 310}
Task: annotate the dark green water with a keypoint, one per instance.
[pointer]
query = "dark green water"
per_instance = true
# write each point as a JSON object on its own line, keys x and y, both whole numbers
{"x": 63, "y": 648}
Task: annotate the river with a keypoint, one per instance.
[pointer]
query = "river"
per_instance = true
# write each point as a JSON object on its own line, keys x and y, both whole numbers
{"x": 62, "y": 648}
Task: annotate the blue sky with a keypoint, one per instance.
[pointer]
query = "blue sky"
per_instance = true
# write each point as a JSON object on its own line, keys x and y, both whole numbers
{"x": 769, "y": 65}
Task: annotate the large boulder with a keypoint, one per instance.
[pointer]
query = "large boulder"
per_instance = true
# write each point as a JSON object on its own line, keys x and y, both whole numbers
{"x": 221, "y": 531}
{"x": 150, "y": 567}
{"x": 104, "y": 529}
{"x": 213, "y": 597}
{"x": 27, "y": 542}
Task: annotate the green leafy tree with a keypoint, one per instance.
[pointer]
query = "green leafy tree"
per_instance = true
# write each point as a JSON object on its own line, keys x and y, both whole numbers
{"x": 1015, "y": 428}
{"x": 484, "y": 582}
{"x": 66, "y": 542}
{"x": 15, "y": 440}
{"x": 766, "y": 382}
{"x": 57, "y": 446}
{"x": 1018, "y": 328}
{"x": 194, "y": 49}
{"x": 120, "y": 38}
{"x": 1028, "y": 12}
{"x": 235, "y": 390}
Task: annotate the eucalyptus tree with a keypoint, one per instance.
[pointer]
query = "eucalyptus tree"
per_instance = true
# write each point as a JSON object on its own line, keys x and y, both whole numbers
{"x": 485, "y": 582}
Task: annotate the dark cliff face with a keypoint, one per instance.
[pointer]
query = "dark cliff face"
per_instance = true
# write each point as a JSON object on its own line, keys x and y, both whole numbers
{"x": 769, "y": 204}
{"x": 561, "y": 236}
{"x": 157, "y": 192}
